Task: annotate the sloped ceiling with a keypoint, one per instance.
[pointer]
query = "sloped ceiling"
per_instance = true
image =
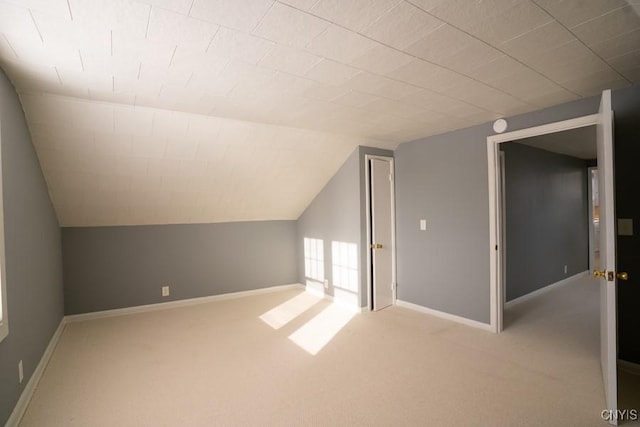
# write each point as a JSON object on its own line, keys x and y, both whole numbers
{"x": 177, "y": 111}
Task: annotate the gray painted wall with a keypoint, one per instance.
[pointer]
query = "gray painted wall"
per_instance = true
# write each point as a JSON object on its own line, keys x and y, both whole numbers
{"x": 547, "y": 219}
{"x": 333, "y": 215}
{"x": 116, "y": 267}
{"x": 338, "y": 213}
{"x": 33, "y": 254}
{"x": 443, "y": 179}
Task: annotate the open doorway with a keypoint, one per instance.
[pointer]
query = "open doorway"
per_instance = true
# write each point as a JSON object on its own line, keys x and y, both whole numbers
{"x": 547, "y": 209}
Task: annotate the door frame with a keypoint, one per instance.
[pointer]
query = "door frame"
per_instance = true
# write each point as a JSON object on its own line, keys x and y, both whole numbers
{"x": 503, "y": 225}
{"x": 369, "y": 265}
{"x": 496, "y": 250}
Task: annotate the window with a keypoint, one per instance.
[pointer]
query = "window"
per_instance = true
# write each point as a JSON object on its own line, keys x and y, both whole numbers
{"x": 314, "y": 259}
{"x": 4, "y": 321}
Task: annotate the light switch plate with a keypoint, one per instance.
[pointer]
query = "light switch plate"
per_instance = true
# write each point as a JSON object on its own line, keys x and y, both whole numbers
{"x": 423, "y": 224}
{"x": 625, "y": 227}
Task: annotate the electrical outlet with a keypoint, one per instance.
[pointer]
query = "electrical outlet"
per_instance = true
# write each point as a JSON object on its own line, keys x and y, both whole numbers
{"x": 165, "y": 291}
{"x": 20, "y": 372}
{"x": 326, "y": 284}
{"x": 565, "y": 269}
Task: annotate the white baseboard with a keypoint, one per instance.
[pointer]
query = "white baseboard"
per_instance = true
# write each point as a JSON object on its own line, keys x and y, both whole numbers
{"x": 27, "y": 393}
{"x": 443, "y": 315}
{"x": 544, "y": 290}
{"x": 179, "y": 303}
{"x": 30, "y": 388}
{"x": 632, "y": 368}
{"x": 351, "y": 307}
{"x": 317, "y": 293}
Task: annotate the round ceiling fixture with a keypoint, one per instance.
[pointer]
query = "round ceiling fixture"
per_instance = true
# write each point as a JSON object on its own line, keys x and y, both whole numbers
{"x": 500, "y": 125}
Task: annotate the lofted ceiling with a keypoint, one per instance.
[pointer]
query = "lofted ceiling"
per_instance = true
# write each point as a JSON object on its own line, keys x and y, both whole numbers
{"x": 178, "y": 111}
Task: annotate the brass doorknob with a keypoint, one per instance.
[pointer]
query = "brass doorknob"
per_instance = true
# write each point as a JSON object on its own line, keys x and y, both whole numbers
{"x": 376, "y": 246}
{"x": 622, "y": 276}
{"x": 600, "y": 273}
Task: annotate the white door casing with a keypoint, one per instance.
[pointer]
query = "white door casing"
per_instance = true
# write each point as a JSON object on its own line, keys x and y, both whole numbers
{"x": 382, "y": 235}
{"x": 608, "y": 315}
{"x": 502, "y": 187}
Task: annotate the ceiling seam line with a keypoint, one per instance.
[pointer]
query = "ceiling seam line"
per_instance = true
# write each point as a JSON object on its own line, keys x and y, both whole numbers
{"x": 10, "y": 46}
{"x": 35, "y": 24}
{"x": 312, "y": 129}
{"x": 385, "y": 12}
{"x": 621, "y": 35}
{"x": 583, "y": 43}
{"x": 212, "y": 38}
{"x": 81, "y": 61}
{"x": 502, "y": 51}
{"x": 262, "y": 18}
{"x": 59, "y": 78}
{"x": 258, "y": 64}
{"x": 146, "y": 32}
{"x": 70, "y": 11}
{"x": 393, "y": 79}
{"x": 415, "y": 57}
{"x": 631, "y": 52}
{"x": 594, "y": 18}
{"x": 173, "y": 54}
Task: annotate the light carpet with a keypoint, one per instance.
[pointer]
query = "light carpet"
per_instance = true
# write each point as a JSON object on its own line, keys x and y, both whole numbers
{"x": 251, "y": 361}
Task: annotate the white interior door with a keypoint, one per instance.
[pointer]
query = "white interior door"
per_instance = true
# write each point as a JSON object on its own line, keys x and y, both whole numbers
{"x": 608, "y": 317}
{"x": 381, "y": 232}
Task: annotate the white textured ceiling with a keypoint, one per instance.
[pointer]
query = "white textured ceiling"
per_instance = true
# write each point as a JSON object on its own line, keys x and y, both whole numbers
{"x": 172, "y": 111}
